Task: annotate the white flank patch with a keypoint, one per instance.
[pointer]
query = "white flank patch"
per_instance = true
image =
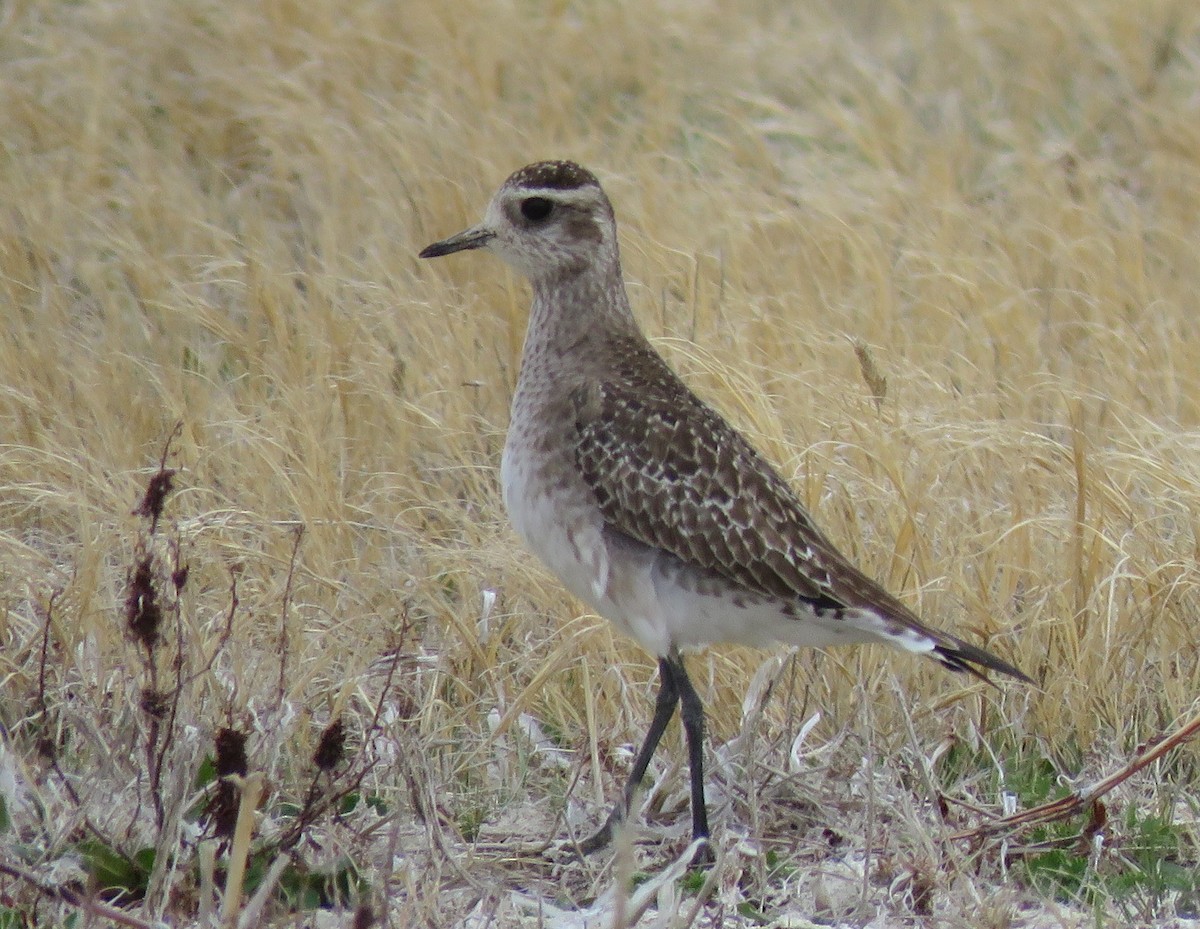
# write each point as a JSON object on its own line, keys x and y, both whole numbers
{"x": 908, "y": 639}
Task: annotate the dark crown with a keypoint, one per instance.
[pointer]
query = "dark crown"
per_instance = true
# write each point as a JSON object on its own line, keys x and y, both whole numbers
{"x": 557, "y": 175}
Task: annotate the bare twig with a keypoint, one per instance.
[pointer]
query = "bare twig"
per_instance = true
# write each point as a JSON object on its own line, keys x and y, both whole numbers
{"x": 74, "y": 897}
{"x": 283, "y": 617}
{"x": 43, "y": 657}
{"x": 179, "y": 574}
{"x": 316, "y": 804}
{"x": 1087, "y": 797}
{"x": 226, "y": 632}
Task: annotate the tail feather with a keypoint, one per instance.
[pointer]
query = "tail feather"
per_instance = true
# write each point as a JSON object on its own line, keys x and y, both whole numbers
{"x": 958, "y": 655}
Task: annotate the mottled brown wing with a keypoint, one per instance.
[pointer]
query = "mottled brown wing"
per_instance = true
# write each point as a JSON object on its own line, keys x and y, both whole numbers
{"x": 669, "y": 471}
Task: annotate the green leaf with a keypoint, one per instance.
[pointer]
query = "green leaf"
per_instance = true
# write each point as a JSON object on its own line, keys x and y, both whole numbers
{"x": 116, "y": 874}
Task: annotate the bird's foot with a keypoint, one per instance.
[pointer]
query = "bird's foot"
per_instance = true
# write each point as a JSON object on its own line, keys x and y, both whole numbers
{"x": 602, "y": 838}
{"x": 705, "y": 856}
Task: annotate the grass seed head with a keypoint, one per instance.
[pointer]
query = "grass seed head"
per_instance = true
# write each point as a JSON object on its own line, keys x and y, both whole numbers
{"x": 143, "y": 614}
{"x": 157, "y": 489}
{"x": 231, "y": 753}
{"x": 332, "y": 747}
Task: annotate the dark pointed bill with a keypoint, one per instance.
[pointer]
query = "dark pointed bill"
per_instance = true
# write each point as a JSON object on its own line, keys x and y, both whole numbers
{"x": 475, "y": 237}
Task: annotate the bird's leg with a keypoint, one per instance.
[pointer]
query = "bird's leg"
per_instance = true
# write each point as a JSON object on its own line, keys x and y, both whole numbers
{"x": 692, "y": 713}
{"x": 664, "y": 709}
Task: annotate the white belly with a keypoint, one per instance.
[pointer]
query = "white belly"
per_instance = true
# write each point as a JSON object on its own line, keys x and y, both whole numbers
{"x": 559, "y": 521}
{"x": 646, "y": 593}
{"x": 552, "y": 517}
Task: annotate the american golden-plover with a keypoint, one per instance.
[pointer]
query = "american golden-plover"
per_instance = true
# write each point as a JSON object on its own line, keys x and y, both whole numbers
{"x": 642, "y": 499}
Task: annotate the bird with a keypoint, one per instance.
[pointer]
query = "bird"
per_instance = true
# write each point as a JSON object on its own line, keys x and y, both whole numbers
{"x": 641, "y": 498}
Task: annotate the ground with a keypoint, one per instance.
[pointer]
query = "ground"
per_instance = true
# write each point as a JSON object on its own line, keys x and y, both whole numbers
{"x": 270, "y": 653}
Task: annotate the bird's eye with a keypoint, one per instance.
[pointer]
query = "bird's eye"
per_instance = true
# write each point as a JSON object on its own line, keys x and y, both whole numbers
{"x": 535, "y": 209}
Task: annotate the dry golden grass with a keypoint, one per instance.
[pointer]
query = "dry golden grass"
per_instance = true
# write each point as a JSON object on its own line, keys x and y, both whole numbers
{"x": 941, "y": 260}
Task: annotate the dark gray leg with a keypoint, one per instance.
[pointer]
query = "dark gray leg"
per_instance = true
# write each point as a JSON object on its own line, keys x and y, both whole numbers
{"x": 692, "y": 713}
{"x": 674, "y": 685}
{"x": 664, "y": 709}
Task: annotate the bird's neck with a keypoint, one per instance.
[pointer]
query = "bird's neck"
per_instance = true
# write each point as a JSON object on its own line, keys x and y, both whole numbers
{"x": 575, "y": 316}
